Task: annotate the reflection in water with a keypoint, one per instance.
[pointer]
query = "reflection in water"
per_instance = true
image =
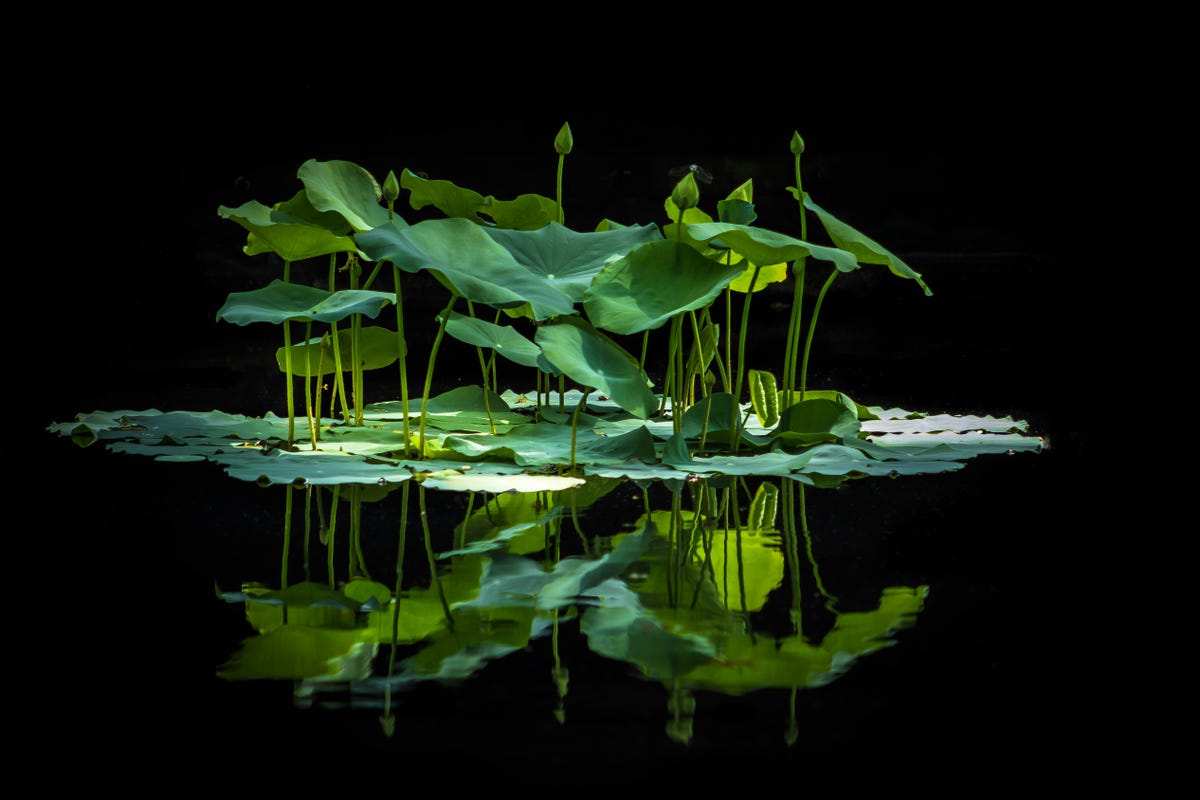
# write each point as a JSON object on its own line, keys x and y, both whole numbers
{"x": 699, "y": 590}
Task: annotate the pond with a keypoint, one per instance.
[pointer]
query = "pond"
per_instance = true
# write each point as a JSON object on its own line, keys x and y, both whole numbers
{"x": 694, "y": 624}
{"x": 884, "y": 617}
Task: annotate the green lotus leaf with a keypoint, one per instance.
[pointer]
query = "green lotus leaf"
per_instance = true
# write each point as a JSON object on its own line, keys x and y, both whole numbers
{"x": 471, "y": 262}
{"x": 865, "y": 249}
{"x": 345, "y": 188}
{"x": 568, "y": 260}
{"x": 771, "y": 273}
{"x": 451, "y": 200}
{"x": 525, "y": 212}
{"x": 290, "y": 237}
{"x": 591, "y": 359}
{"x": 653, "y": 283}
{"x": 812, "y": 421}
{"x": 280, "y": 302}
{"x": 762, "y": 246}
{"x": 857, "y": 633}
{"x": 470, "y": 408}
{"x": 504, "y": 339}
{"x": 377, "y": 347}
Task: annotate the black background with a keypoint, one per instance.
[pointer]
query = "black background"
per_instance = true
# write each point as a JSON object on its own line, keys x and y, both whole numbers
{"x": 985, "y": 169}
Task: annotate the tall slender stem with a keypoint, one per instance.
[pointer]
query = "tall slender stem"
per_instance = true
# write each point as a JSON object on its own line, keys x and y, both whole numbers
{"x": 287, "y": 362}
{"x": 402, "y": 346}
{"x": 812, "y": 326}
{"x": 437, "y": 342}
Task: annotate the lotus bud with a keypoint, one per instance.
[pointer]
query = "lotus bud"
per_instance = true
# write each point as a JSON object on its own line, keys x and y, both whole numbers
{"x": 797, "y": 144}
{"x": 391, "y": 187}
{"x": 564, "y": 141}
{"x": 686, "y": 194}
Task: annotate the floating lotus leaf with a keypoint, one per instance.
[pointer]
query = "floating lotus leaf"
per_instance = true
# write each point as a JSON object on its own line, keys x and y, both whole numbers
{"x": 344, "y": 188}
{"x": 591, "y": 359}
{"x": 281, "y": 302}
{"x": 652, "y": 284}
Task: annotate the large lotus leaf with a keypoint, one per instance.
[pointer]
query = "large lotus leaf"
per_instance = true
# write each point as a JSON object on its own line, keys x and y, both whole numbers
{"x": 451, "y": 200}
{"x": 377, "y": 347}
{"x": 525, "y": 212}
{"x": 866, "y": 249}
{"x": 762, "y": 246}
{"x": 280, "y": 302}
{"x": 544, "y": 444}
{"x": 504, "y": 339}
{"x": 653, "y": 283}
{"x": 568, "y": 260}
{"x": 475, "y": 265}
{"x": 818, "y": 420}
{"x": 764, "y": 277}
{"x": 289, "y": 236}
{"x": 591, "y": 359}
{"x": 477, "y": 638}
{"x": 345, "y": 188}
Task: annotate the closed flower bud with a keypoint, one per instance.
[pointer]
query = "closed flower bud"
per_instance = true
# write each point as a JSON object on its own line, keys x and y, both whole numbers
{"x": 564, "y": 141}
{"x": 797, "y": 144}
{"x": 686, "y": 194}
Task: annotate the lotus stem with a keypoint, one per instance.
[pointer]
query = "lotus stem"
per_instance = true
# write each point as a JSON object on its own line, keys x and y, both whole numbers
{"x": 287, "y": 362}
{"x": 812, "y": 326}
{"x": 308, "y": 391}
{"x": 330, "y": 536}
{"x": 575, "y": 423}
{"x": 402, "y": 351}
{"x": 437, "y": 342}
{"x": 487, "y": 405}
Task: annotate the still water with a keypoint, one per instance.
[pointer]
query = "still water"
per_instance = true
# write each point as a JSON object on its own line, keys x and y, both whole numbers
{"x": 703, "y": 623}
{"x": 968, "y": 617}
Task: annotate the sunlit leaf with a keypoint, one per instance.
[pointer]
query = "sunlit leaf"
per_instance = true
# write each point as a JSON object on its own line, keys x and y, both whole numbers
{"x": 504, "y": 339}
{"x": 292, "y": 238}
{"x": 763, "y": 246}
{"x": 591, "y": 359}
{"x": 568, "y": 260}
{"x": 451, "y": 200}
{"x": 865, "y": 249}
{"x": 345, "y": 188}
{"x": 764, "y": 395}
{"x": 470, "y": 260}
{"x": 378, "y": 347}
{"x": 643, "y": 290}
{"x": 279, "y": 302}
